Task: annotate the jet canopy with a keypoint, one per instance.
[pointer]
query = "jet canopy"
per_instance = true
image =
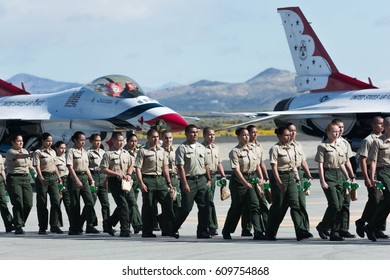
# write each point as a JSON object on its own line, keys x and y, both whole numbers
{"x": 116, "y": 86}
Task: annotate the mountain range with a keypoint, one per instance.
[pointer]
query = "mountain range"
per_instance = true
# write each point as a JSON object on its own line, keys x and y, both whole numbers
{"x": 261, "y": 92}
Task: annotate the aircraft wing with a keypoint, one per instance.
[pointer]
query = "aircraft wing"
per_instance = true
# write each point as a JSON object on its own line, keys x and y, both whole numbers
{"x": 313, "y": 112}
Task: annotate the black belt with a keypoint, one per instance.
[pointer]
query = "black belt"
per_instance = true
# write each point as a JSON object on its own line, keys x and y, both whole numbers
{"x": 332, "y": 169}
{"x": 96, "y": 171}
{"x": 196, "y": 177}
{"x": 150, "y": 176}
{"x": 81, "y": 172}
{"x": 383, "y": 167}
{"x": 48, "y": 173}
{"x": 247, "y": 174}
{"x": 18, "y": 174}
{"x": 285, "y": 172}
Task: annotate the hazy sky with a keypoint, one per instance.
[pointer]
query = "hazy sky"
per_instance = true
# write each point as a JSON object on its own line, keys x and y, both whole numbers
{"x": 161, "y": 41}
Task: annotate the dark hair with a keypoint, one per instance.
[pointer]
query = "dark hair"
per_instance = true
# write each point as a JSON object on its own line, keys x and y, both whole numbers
{"x": 151, "y": 131}
{"x": 45, "y": 135}
{"x": 189, "y": 127}
{"x": 58, "y": 144}
{"x": 289, "y": 124}
{"x": 93, "y": 136}
{"x": 116, "y": 134}
{"x": 250, "y": 127}
{"x": 207, "y": 129}
{"x": 279, "y": 131}
{"x": 14, "y": 136}
{"x": 131, "y": 135}
{"x": 77, "y": 135}
{"x": 240, "y": 130}
{"x": 336, "y": 121}
{"x": 165, "y": 132}
{"x": 329, "y": 126}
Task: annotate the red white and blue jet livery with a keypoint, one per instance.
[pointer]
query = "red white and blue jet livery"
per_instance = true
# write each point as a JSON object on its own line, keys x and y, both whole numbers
{"x": 329, "y": 93}
{"x": 109, "y": 103}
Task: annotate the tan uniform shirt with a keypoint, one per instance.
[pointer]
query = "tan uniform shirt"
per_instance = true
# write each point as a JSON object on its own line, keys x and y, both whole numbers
{"x": 331, "y": 155}
{"x": 244, "y": 158}
{"x": 193, "y": 160}
{"x": 299, "y": 154}
{"x": 95, "y": 158}
{"x": 346, "y": 147}
{"x": 117, "y": 161}
{"x": 259, "y": 150}
{"x": 366, "y": 145}
{"x": 213, "y": 156}
{"x": 17, "y": 166}
{"x": 78, "y": 159}
{"x": 380, "y": 151}
{"x": 170, "y": 155}
{"x": 151, "y": 160}
{"x": 46, "y": 159}
{"x": 283, "y": 156}
{"x": 61, "y": 165}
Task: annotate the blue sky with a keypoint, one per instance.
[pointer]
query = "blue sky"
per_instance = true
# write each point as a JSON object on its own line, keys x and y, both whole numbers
{"x": 161, "y": 41}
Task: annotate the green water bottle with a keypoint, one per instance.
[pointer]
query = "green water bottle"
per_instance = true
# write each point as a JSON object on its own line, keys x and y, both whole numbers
{"x": 6, "y": 197}
{"x": 221, "y": 183}
{"x": 32, "y": 172}
{"x": 300, "y": 187}
{"x": 306, "y": 184}
{"x": 254, "y": 181}
{"x": 61, "y": 187}
{"x": 379, "y": 185}
{"x": 347, "y": 187}
{"x": 354, "y": 186}
{"x": 266, "y": 185}
{"x": 92, "y": 188}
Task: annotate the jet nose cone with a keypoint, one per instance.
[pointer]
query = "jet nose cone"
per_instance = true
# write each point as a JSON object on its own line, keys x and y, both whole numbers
{"x": 175, "y": 121}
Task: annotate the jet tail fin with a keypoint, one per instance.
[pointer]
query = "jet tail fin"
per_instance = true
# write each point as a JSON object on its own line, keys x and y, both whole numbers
{"x": 315, "y": 69}
{"x": 8, "y": 89}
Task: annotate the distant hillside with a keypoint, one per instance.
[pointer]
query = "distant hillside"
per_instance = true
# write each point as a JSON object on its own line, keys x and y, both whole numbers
{"x": 261, "y": 92}
{"x": 35, "y": 84}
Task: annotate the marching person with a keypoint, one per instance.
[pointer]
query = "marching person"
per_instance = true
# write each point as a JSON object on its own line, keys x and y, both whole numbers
{"x": 19, "y": 188}
{"x": 135, "y": 215}
{"x": 284, "y": 187}
{"x": 80, "y": 180}
{"x": 95, "y": 156}
{"x": 48, "y": 178}
{"x": 380, "y": 167}
{"x": 118, "y": 165}
{"x": 331, "y": 159}
{"x": 194, "y": 173}
{"x": 263, "y": 204}
{"x": 374, "y": 195}
{"x": 303, "y": 168}
{"x": 5, "y": 214}
{"x": 214, "y": 157}
{"x": 60, "y": 148}
{"x": 170, "y": 154}
{"x": 345, "y": 210}
{"x": 244, "y": 162}
{"x": 151, "y": 167}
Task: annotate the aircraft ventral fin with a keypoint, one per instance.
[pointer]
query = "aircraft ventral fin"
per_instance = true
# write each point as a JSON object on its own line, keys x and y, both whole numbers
{"x": 8, "y": 89}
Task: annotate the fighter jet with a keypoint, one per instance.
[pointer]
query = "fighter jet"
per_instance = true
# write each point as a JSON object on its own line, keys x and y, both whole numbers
{"x": 107, "y": 104}
{"x": 328, "y": 93}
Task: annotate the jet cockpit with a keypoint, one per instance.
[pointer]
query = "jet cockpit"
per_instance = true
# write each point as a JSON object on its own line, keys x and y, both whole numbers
{"x": 116, "y": 86}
